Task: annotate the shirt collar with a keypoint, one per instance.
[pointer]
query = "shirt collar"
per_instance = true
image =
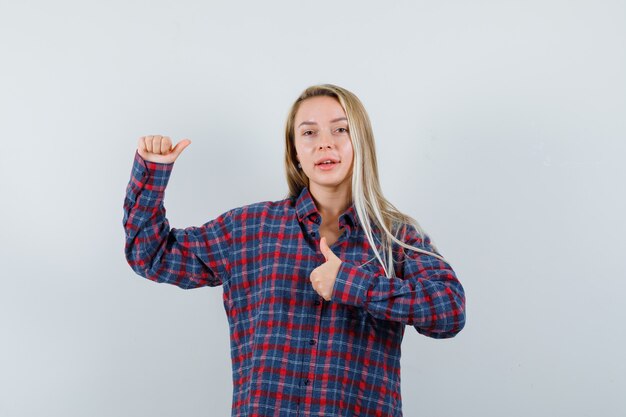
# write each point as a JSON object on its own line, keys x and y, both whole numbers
{"x": 306, "y": 208}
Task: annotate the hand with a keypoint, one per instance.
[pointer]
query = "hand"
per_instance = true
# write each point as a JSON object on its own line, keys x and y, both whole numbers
{"x": 159, "y": 149}
{"x": 323, "y": 277}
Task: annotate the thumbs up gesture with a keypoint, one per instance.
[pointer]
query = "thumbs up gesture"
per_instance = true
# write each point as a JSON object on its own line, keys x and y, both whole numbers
{"x": 323, "y": 277}
{"x": 157, "y": 148}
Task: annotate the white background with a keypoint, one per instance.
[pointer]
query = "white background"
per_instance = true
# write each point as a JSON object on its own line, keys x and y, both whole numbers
{"x": 500, "y": 126}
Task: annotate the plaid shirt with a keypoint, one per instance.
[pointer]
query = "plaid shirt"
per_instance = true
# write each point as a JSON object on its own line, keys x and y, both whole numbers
{"x": 293, "y": 353}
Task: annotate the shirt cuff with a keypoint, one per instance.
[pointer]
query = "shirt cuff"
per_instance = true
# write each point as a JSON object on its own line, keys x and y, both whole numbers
{"x": 352, "y": 285}
{"x": 153, "y": 176}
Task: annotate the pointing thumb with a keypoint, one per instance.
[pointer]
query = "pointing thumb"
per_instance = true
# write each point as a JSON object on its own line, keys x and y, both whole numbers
{"x": 324, "y": 248}
{"x": 180, "y": 146}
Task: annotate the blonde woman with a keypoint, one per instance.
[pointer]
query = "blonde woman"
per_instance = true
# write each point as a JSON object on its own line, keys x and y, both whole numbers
{"x": 318, "y": 287}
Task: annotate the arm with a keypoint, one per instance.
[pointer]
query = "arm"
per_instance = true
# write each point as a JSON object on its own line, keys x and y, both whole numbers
{"x": 188, "y": 258}
{"x": 428, "y": 296}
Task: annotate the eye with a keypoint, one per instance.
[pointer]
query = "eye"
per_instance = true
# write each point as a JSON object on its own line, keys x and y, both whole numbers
{"x": 342, "y": 130}
{"x": 307, "y": 133}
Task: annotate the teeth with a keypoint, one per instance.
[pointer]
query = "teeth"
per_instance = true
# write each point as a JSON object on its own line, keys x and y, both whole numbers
{"x": 327, "y": 162}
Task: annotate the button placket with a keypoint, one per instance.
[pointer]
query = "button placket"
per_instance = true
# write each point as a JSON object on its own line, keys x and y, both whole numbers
{"x": 312, "y": 345}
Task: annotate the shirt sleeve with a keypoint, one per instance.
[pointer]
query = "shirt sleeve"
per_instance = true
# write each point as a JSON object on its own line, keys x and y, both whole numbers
{"x": 188, "y": 258}
{"x": 428, "y": 295}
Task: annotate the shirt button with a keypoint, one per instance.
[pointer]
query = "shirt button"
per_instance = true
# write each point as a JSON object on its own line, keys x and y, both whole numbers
{"x": 311, "y": 342}
{"x": 307, "y": 382}
{"x": 313, "y": 234}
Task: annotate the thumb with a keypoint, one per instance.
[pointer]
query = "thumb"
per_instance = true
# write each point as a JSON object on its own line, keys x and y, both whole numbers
{"x": 325, "y": 249}
{"x": 180, "y": 146}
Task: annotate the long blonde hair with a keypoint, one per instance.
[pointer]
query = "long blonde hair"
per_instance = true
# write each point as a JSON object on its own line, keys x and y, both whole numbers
{"x": 370, "y": 205}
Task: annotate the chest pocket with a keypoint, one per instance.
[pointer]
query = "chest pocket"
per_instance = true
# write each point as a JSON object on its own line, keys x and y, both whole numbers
{"x": 373, "y": 266}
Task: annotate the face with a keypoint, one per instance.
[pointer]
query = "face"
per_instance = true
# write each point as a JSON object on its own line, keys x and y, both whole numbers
{"x": 321, "y": 134}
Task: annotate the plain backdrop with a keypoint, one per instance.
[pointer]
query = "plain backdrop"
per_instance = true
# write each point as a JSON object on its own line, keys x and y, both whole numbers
{"x": 500, "y": 126}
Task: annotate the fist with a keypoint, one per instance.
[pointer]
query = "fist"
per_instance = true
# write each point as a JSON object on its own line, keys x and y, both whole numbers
{"x": 159, "y": 149}
{"x": 323, "y": 277}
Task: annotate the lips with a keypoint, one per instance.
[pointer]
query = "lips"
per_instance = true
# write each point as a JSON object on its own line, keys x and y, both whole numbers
{"x": 333, "y": 160}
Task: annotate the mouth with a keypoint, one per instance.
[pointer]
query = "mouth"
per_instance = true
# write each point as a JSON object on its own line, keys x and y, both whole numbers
{"x": 327, "y": 160}
{"x": 327, "y": 165}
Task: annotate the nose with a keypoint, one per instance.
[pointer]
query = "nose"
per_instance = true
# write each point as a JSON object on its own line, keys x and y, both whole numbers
{"x": 326, "y": 141}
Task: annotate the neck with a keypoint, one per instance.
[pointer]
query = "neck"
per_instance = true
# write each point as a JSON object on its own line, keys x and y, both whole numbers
{"x": 331, "y": 202}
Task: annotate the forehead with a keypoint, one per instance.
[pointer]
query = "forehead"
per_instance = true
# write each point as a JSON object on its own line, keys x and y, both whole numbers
{"x": 319, "y": 109}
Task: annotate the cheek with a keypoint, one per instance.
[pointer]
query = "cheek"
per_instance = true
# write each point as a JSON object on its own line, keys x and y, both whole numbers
{"x": 303, "y": 146}
{"x": 348, "y": 152}
{"x": 300, "y": 150}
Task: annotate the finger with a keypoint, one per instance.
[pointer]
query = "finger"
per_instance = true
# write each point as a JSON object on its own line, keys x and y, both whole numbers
{"x": 141, "y": 144}
{"x": 166, "y": 145}
{"x": 324, "y": 248}
{"x": 149, "y": 143}
{"x": 156, "y": 144}
{"x": 180, "y": 146}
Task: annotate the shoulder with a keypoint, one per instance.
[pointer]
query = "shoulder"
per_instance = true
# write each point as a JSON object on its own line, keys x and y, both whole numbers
{"x": 413, "y": 234}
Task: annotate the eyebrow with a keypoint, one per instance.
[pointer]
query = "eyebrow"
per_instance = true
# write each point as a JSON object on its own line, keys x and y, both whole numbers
{"x": 332, "y": 121}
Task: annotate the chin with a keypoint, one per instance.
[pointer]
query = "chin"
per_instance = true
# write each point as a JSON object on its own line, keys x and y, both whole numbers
{"x": 329, "y": 182}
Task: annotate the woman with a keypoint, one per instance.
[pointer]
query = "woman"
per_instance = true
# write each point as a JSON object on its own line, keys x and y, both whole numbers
{"x": 318, "y": 287}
